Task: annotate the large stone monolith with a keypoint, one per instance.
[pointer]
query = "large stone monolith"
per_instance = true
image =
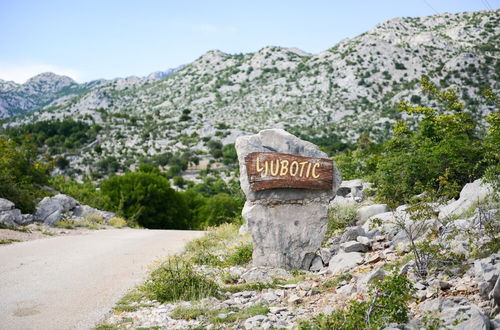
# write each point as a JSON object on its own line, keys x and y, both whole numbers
{"x": 287, "y": 224}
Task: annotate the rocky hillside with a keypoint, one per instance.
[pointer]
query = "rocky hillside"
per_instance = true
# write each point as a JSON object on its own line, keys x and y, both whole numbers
{"x": 349, "y": 89}
{"x": 366, "y": 275}
{"x": 48, "y": 89}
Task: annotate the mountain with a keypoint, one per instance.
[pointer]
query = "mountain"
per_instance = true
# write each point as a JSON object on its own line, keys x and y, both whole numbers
{"x": 48, "y": 89}
{"x": 347, "y": 90}
{"x": 36, "y": 93}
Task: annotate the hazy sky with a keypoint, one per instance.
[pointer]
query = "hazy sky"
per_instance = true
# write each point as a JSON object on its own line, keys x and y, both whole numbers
{"x": 91, "y": 39}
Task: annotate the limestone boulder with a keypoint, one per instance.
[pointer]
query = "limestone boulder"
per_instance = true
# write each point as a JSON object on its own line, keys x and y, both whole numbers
{"x": 368, "y": 211}
{"x": 471, "y": 193}
{"x": 344, "y": 262}
{"x": 287, "y": 225}
{"x": 51, "y": 209}
{"x": 286, "y": 234}
{"x": 9, "y": 215}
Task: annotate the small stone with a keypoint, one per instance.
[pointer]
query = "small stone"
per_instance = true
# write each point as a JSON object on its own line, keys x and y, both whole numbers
{"x": 419, "y": 286}
{"x": 364, "y": 240}
{"x": 288, "y": 286}
{"x": 443, "y": 285}
{"x": 276, "y": 310}
{"x": 269, "y": 296}
{"x": 294, "y": 299}
{"x": 317, "y": 264}
{"x": 353, "y": 246}
{"x": 373, "y": 258}
{"x": 343, "y": 262}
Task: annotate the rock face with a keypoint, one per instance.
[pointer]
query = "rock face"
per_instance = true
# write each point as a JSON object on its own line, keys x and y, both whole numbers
{"x": 9, "y": 215}
{"x": 51, "y": 209}
{"x": 287, "y": 225}
{"x": 471, "y": 193}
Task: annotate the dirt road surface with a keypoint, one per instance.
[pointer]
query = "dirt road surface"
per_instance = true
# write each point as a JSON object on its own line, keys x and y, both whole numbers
{"x": 72, "y": 282}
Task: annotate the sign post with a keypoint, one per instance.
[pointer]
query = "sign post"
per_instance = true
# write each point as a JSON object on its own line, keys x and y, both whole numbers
{"x": 288, "y": 183}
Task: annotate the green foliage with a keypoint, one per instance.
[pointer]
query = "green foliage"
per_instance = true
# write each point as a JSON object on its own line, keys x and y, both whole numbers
{"x": 334, "y": 282}
{"x": 146, "y": 198}
{"x": 340, "y": 217}
{"x": 229, "y": 155}
{"x": 217, "y": 210}
{"x": 21, "y": 175}
{"x": 117, "y": 222}
{"x": 57, "y": 135}
{"x": 388, "y": 303}
{"x": 177, "y": 280}
{"x": 86, "y": 192}
{"x": 221, "y": 246}
{"x": 441, "y": 154}
{"x": 242, "y": 255}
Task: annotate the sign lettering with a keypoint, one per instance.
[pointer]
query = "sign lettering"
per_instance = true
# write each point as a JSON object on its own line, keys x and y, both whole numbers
{"x": 268, "y": 170}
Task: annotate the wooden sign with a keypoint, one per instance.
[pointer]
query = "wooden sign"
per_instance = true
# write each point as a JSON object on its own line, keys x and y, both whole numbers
{"x": 269, "y": 170}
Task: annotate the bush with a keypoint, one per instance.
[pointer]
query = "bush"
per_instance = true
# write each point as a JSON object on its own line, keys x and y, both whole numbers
{"x": 85, "y": 193}
{"x": 217, "y": 210}
{"x": 117, "y": 222}
{"x": 177, "y": 280}
{"x": 340, "y": 217}
{"x": 445, "y": 151}
{"x": 388, "y": 303}
{"x": 146, "y": 198}
{"x": 21, "y": 175}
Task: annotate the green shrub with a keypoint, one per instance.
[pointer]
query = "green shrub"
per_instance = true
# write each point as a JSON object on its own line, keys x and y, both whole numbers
{"x": 85, "y": 193}
{"x": 21, "y": 175}
{"x": 117, "y": 222}
{"x": 242, "y": 255}
{"x": 341, "y": 217}
{"x": 388, "y": 303}
{"x": 146, "y": 198}
{"x": 221, "y": 246}
{"x": 177, "y": 280}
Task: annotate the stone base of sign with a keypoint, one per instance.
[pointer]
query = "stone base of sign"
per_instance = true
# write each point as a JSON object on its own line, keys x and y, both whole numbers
{"x": 286, "y": 235}
{"x": 287, "y": 225}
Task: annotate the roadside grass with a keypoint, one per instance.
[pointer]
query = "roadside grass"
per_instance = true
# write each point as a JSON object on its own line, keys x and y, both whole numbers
{"x": 92, "y": 221}
{"x": 117, "y": 222}
{"x": 9, "y": 241}
{"x": 48, "y": 233}
{"x": 23, "y": 229}
{"x": 220, "y": 247}
{"x": 176, "y": 279}
{"x": 218, "y": 316}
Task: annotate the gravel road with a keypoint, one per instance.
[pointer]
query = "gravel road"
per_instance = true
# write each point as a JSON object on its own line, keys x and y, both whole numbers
{"x": 72, "y": 282}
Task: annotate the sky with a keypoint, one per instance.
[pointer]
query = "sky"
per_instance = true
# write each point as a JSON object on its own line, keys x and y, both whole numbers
{"x": 92, "y": 39}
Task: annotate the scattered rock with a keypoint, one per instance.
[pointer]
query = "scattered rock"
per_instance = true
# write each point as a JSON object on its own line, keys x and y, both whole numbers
{"x": 51, "y": 209}
{"x": 368, "y": 211}
{"x": 263, "y": 274}
{"x": 352, "y": 233}
{"x": 344, "y": 261}
{"x": 471, "y": 193}
{"x": 354, "y": 246}
{"x": 457, "y": 313}
{"x": 294, "y": 299}
{"x": 9, "y": 215}
{"x": 317, "y": 264}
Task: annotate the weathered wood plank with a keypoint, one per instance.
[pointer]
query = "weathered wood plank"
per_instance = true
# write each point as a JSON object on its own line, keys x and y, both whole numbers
{"x": 269, "y": 170}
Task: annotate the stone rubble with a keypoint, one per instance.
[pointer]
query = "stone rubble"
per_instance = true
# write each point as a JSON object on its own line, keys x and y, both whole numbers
{"x": 466, "y": 301}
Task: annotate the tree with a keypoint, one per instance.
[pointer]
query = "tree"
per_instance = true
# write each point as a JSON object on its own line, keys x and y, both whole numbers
{"x": 21, "y": 175}
{"x": 442, "y": 154}
{"x": 147, "y": 199}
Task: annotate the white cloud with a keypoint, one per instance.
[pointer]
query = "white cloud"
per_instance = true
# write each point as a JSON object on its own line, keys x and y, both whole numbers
{"x": 20, "y": 72}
